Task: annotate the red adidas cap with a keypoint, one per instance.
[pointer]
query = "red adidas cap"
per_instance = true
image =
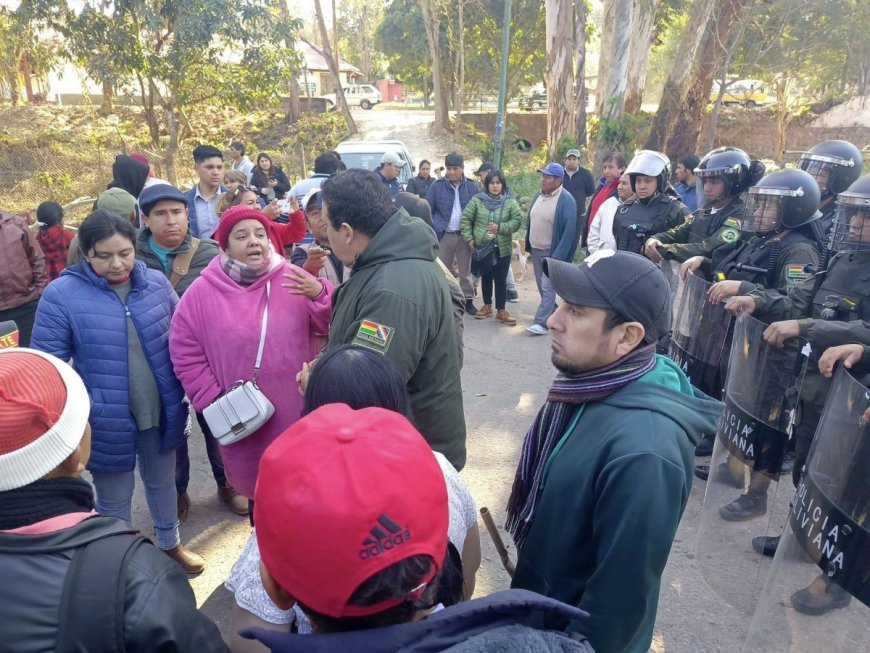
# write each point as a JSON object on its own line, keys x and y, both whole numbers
{"x": 342, "y": 495}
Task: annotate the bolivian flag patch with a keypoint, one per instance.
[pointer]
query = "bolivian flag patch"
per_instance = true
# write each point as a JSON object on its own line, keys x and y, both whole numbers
{"x": 374, "y": 336}
{"x": 795, "y": 274}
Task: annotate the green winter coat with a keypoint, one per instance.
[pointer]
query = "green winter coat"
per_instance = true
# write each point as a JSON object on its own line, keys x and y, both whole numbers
{"x": 476, "y": 217}
{"x": 612, "y": 495}
{"x": 396, "y": 283}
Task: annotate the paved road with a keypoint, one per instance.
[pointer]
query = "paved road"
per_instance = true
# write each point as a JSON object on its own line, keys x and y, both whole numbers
{"x": 505, "y": 379}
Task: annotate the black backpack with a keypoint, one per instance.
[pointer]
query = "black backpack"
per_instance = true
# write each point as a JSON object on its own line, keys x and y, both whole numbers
{"x": 91, "y": 618}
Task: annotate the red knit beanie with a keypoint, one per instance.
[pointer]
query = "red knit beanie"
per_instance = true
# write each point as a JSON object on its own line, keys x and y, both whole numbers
{"x": 233, "y": 216}
{"x": 44, "y": 408}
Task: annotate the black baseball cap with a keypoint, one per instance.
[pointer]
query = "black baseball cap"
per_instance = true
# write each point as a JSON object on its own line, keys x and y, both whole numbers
{"x": 484, "y": 167}
{"x": 625, "y": 282}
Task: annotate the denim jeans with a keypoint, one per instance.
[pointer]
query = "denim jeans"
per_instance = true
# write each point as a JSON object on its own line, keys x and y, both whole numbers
{"x": 157, "y": 471}
{"x": 212, "y": 450}
{"x": 548, "y": 295}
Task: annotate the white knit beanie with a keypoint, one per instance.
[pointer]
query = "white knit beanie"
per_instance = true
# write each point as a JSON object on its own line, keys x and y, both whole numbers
{"x": 44, "y": 409}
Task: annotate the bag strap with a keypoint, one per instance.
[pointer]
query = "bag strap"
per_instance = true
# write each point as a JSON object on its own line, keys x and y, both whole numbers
{"x": 262, "y": 335}
{"x": 181, "y": 264}
{"x": 91, "y": 614}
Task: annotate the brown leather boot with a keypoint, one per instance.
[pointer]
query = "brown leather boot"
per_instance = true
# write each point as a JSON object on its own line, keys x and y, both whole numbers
{"x": 192, "y": 564}
{"x": 484, "y": 312}
{"x": 183, "y": 505}
{"x": 235, "y": 501}
{"x": 505, "y": 318}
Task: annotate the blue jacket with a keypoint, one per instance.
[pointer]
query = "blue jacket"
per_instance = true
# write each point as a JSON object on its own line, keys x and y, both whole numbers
{"x": 564, "y": 227}
{"x": 688, "y": 195}
{"x": 486, "y": 625}
{"x": 393, "y": 185}
{"x": 81, "y": 318}
{"x": 441, "y": 197}
{"x": 191, "y": 210}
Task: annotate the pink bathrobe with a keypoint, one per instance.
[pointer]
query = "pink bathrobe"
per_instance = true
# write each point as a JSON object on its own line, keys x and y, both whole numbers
{"x": 213, "y": 343}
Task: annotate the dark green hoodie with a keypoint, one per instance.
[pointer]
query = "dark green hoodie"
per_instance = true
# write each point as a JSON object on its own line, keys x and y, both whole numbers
{"x": 396, "y": 283}
{"x": 613, "y": 492}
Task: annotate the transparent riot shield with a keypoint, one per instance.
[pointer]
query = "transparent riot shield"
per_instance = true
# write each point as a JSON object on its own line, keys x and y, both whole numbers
{"x": 700, "y": 330}
{"x": 817, "y": 594}
{"x": 743, "y": 498}
{"x": 671, "y": 270}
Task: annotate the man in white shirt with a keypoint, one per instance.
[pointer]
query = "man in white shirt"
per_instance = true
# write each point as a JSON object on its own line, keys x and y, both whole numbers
{"x": 240, "y": 161}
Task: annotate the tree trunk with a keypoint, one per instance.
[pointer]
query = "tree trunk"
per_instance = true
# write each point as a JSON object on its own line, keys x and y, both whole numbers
{"x": 580, "y": 73}
{"x": 171, "y": 152}
{"x": 333, "y": 69}
{"x": 613, "y": 91}
{"x": 27, "y": 76}
{"x": 642, "y": 31}
{"x": 430, "y": 18}
{"x": 106, "y": 107}
{"x": 560, "y": 70}
{"x": 723, "y": 84}
{"x": 605, "y": 52}
{"x": 684, "y": 137}
{"x": 676, "y": 88}
{"x": 460, "y": 64}
{"x": 294, "y": 109}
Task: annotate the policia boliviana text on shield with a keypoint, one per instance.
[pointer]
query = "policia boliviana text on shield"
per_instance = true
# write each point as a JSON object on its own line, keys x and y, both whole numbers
{"x": 829, "y": 309}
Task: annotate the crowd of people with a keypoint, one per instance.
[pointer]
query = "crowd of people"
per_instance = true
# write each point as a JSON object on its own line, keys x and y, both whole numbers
{"x": 314, "y": 333}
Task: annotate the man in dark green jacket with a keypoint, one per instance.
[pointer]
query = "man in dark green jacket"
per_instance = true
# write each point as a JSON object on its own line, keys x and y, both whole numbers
{"x": 397, "y": 302}
{"x": 606, "y": 468}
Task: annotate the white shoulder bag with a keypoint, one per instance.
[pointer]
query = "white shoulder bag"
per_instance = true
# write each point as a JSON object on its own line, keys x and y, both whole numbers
{"x": 243, "y": 408}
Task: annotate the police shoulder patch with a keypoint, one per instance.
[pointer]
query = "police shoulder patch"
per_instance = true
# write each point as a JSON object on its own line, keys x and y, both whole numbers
{"x": 374, "y": 336}
{"x": 732, "y": 222}
{"x": 795, "y": 274}
{"x": 729, "y": 235}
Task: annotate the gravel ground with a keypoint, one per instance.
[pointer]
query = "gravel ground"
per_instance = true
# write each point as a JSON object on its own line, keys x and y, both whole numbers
{"x": 505, "y": 378}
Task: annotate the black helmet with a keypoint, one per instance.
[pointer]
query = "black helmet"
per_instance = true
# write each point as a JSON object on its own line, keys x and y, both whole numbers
{"x": 733, "y": 166}
{"x": 785, "y": 199}
{"x": 853, "y": 212}
{"x": 834, "y": 165}
{"x": 650, "y": 164}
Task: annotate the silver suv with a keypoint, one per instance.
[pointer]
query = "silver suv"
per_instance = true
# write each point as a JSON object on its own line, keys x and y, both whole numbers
{"x": 367, "y": 155}
{"x": 364, "y": 96}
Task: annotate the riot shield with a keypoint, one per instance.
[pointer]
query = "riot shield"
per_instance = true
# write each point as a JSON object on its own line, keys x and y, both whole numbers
{"x": 698, "y": 338}
{"x": 671, "y": 270}
{"x": 817, "y": 594}
{"x": 743, "y": 498}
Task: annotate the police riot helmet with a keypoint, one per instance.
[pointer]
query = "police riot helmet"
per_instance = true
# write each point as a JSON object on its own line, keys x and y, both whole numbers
{"x": 851, "y": 230}
{"x": 650, "y": 164}
{"x": 834, "y": 165}
{"x": 733, "y": 166}
{"x": 785, "y": 199}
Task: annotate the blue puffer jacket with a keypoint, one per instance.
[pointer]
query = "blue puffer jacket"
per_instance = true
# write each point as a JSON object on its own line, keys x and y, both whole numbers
{"x": 81, "y": 318}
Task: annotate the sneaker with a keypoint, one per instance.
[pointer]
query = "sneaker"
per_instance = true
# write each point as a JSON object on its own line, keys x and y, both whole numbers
{"x": 183, "y": 505}
{"x": 705, "y": 446}
{"x": 821, "y": 596}
{"x": 513, "y": 296}
{"x": 766, "y": 545}
{"x": 505, "y": 318}
{"x": 537, "y": 330}
{"x": 234, "y": 501}
{"x": 187, "y": 560}
{"x": 469, "y": 307}
{"x": 746, "y": 506}
{"x": 484, "y": 312}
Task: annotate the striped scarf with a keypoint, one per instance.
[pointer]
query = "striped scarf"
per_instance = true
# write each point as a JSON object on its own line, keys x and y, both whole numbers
{"x": 549, "y": 426}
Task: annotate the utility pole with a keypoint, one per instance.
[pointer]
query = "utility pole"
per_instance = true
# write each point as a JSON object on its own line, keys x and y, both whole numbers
{"x": 502, "y": 85}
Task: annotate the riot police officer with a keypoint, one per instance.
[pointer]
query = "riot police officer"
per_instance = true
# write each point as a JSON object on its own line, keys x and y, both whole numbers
{"x": 830, "y": 308}
{"x": 723, "y": 175}
{"x": 651, "y": 209}
{"x": 835, "y": 165}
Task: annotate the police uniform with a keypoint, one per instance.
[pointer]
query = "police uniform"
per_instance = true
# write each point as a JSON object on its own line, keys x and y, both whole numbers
{"x": 705, "y": 230}
{"x": 830, "y": 308}
{"x": 635, "y": 221}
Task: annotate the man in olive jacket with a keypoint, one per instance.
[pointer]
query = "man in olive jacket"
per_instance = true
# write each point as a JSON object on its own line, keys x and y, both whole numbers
{"x": 397, "y": 302}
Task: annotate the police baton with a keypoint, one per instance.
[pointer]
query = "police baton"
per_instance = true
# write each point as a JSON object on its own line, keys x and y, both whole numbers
{"x": 486, "y": 516}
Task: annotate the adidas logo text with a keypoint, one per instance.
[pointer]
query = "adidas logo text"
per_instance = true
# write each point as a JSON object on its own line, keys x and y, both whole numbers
{"x": 385, "y": 536}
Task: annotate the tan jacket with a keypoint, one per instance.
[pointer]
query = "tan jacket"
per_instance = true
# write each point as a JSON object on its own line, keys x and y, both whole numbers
{"x": 22, "y": 264}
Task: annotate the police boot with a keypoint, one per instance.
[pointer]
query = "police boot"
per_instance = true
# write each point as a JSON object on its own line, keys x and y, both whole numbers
{"x": 705, "y": 446}
{"x": 766, "y": 545}
{"x": 746, "y": 506}
{"x": 821, "y": 596}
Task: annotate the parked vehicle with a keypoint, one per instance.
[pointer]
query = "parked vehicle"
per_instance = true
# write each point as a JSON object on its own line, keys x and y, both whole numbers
{"x": 535, "y": 101}
{"x": 367, "y": 156}
{"x": 745, "y": 92}
{"x": 364, "y": 96}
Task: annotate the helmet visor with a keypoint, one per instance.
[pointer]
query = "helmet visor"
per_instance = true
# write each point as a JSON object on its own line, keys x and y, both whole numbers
{"x": 821, "y": 169}
{"x": 763, "y": 211}
{"x": 712, "y": 187}
{"x": 851, "y": 230}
